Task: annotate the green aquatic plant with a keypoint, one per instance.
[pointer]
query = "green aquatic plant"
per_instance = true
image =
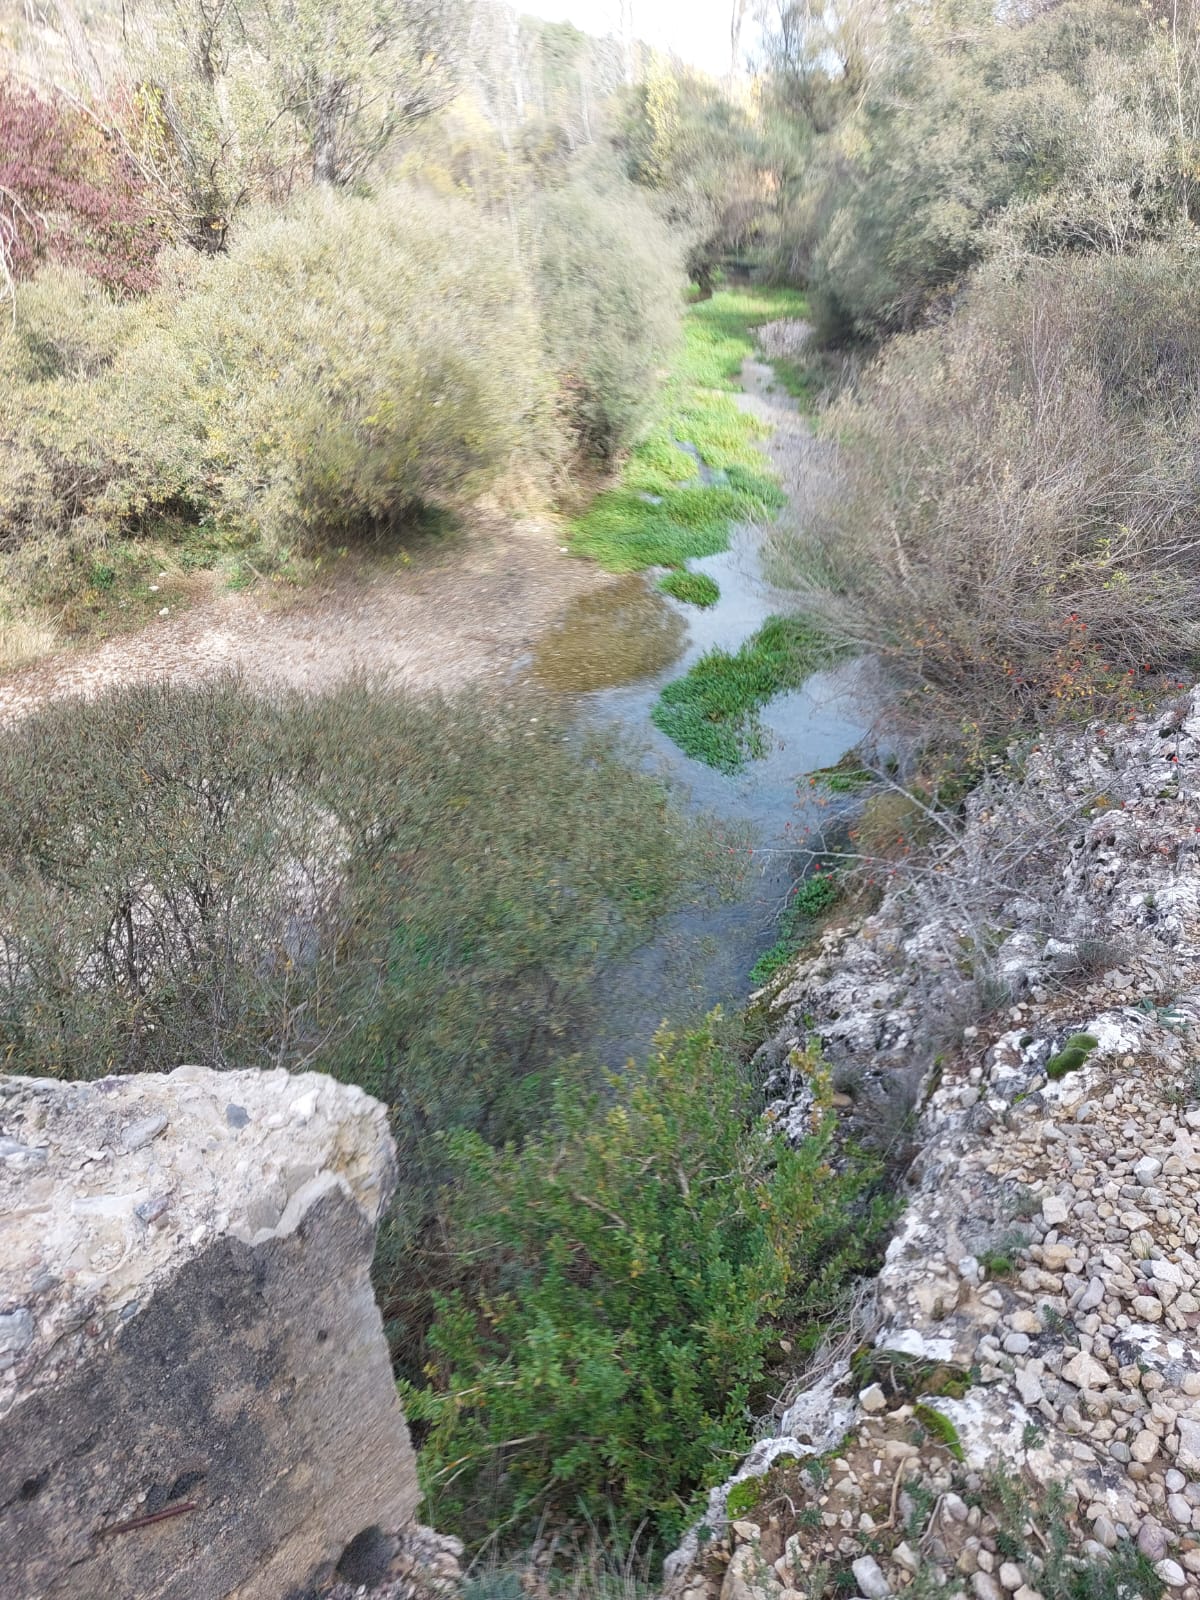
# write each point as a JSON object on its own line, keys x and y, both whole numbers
{"x": 693, "y": 588}
{"x": 712, "y": 712}
{"x": 697, "y": 469}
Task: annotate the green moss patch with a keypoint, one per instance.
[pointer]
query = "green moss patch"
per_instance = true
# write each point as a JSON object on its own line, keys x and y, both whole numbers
{"x": 712, "y": 712}
{"x": 1072, "y": 1055}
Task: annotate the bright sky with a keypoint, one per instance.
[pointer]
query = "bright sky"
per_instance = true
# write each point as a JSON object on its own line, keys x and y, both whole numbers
{"x": 696, "y": 30}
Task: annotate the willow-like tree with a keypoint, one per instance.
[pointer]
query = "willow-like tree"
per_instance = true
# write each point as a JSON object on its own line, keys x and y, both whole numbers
{"x": 244, "y": 100}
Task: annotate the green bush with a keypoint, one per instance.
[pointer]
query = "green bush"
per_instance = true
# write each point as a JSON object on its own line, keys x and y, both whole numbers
{"x": 415, "y": 895}
{"x": 811, "y": 900}
{"x": 610, "y": 286}
{"x": 1029, "y": 134}
{"x": 348, "y": 360}
{"x": 626, "y": 1269}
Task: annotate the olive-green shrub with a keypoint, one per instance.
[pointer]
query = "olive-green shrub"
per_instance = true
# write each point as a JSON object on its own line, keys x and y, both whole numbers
{"x": 610, "y": 286}
{"x": 346, "y": 361}
{"x": 1012, "y": 529}
{"x": 413, "y": 894}
{"x": 1066, "y": 129}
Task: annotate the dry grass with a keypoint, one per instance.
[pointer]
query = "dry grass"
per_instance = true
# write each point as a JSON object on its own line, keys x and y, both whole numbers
{"x": 1013, "y": 529}
{"x": 24, "y": 637}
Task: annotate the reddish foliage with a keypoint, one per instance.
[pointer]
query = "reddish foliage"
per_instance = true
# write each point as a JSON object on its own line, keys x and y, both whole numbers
{"x": 66, "y": 192}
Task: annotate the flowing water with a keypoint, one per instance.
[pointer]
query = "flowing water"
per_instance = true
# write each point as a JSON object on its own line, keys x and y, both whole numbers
{"x": 611, "y": 653}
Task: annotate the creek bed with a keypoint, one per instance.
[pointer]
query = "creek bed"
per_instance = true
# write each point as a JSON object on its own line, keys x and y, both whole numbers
{"x": 610, "y": 654}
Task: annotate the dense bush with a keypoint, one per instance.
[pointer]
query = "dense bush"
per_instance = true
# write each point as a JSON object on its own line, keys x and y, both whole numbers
{"x": 610, "y": 284}
{"x": 417, "y": 896}
{"x": 1035, "y": 133}
{"x": 626, "y": 1272}
{"x": 345, "y": 362}
{"x": 67, "y": 194}
{"x": 1014, "y": 526}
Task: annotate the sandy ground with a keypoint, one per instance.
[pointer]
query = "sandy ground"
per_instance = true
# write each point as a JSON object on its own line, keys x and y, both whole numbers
{"x": 468, "y": 611}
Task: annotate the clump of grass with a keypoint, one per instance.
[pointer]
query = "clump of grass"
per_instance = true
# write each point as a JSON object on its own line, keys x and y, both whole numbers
{"x": 813, "y": 899}
{"x": 625, "y": 530}
{"x": 694, "y": 588}
{"x": 712, "y": 712}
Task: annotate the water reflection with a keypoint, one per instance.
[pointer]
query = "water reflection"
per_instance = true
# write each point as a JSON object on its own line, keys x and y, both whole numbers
{"x": 616, "y": 635}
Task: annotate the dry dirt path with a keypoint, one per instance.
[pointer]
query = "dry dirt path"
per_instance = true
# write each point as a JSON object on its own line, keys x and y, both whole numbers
{"x": 465, "y": 612}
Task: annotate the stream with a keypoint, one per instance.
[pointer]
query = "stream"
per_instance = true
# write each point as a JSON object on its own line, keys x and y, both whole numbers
{"x": 609, "y": 655}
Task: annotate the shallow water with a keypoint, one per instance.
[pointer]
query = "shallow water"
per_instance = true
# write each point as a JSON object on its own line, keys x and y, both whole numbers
{"x": 612, "y": 652}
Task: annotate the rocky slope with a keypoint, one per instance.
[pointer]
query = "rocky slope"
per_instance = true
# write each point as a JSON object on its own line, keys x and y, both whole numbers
{"x": 1027, "y": 1398}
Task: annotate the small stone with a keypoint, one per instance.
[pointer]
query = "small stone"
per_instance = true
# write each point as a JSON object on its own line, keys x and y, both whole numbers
{"x": 747, "y": 1532}
{"x": 954, "y": 1507}
{"x": 1029, "y": 1386}
{"x": 1145, "y": 1447}
{"x": 1146, "y": 1170}
{"x": 1171, "y": 1573}
{"x": 868, "y": 1575}
{"x": 1180, "y": 1510}
{"x": 16, "y": 1331}
{"x": 1093, "y": 1295}
{"x": 1147, "y": 1307}
{"x": 1187, "y": 1457}
{"x": 873, "y": 1399}
{"x": 1105, "y": 1533}
{"x": 1085, "y": 1372}
{"x": 985, "y": 1586}
{"x": 1054, "y": 1210}
{"x": 1011, "y": 1575}
{"x": 1026, "y": 1593}
{"x": 904, "y": 1556}
{"x": 1016, "y": 1344}
{"x": 1152, "y": 1540}
{"x": 141, "y": 1133}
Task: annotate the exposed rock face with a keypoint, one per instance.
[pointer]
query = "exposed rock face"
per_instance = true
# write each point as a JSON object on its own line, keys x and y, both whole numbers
{"x": 195, "y": 1392}
{"x": 1045, "y": 1276}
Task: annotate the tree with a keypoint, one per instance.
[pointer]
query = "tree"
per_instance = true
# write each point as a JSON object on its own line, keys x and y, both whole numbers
{"x": 355, "y": 74}
{"x": 245, "y": 97}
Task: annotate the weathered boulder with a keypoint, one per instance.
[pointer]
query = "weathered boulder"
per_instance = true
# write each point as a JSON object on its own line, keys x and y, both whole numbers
{"x": 195, "y": 1392}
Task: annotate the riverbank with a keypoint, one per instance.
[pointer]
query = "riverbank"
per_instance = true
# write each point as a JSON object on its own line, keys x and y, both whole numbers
{"x": 1015, "y": 1407}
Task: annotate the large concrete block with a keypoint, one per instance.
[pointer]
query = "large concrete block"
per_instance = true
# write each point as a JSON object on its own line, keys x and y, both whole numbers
{"x": 195, "y": 1395}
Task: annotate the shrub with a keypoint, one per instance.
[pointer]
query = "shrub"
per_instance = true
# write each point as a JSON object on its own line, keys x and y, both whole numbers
{"x": 627, "y": 1266}
{"x": 347, "y": 361}
{"x": 812, "y": 899}
{"x": 1042, "y": 132}
{"x": 610, "y": 285}
{"x": 414, "y": 895}
{"x": 69, "y": 195}
{"x": 1012, "y": 526}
